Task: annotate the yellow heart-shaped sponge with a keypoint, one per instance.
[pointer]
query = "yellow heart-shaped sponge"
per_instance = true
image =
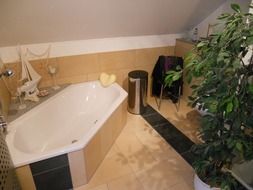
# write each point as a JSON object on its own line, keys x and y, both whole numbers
{"x": 106, "y": 80}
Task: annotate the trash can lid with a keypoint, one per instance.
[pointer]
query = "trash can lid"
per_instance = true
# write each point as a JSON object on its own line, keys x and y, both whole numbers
{"x": 138, "y": 74}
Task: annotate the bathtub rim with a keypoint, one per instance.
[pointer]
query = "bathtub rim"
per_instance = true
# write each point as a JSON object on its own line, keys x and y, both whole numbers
{"x": 20, "y": 158}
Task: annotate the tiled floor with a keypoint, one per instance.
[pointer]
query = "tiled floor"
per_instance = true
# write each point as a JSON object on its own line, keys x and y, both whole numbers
{"x": 141, "y": 159}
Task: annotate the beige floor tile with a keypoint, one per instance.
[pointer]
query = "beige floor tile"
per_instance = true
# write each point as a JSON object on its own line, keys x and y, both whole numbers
{"x": 159, "y": 177}
{"x": 134, "y": 122}
{"x": 111, "y": 168}
{"x": 179, "y": 166}
{"x": 181, "y": 186}
{"x": 136, "y": 153}
{"x": 113, "y": 151}
{"x": 129, "y": 182}
{"x": 100, "y": 187}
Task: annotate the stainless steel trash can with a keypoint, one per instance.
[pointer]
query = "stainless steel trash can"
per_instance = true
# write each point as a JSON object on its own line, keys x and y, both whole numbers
{"x": 137, "y": 91}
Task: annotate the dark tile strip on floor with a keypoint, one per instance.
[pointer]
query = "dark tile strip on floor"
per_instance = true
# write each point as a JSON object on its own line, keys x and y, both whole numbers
{"x": 170, "y": 133}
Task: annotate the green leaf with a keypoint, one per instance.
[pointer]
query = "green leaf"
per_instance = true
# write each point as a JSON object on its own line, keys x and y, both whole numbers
{"x": 236, "y": 8}
{"x": 176, "y": 77}
{"x": 201, "y": 44}
{"x": 236, "y": 63}
{"x": 223, "y": 16}
{"x": 229, "y": 107}
{"x": 235, "y": 102}
{"x": 250, "y": 40}
{"x": 250, "y": 88}
{"x": 194, "y": 86}
{"x": 239, "y": 146}
{"x": 189, "y": 78}
{"x": 178, "y": 68}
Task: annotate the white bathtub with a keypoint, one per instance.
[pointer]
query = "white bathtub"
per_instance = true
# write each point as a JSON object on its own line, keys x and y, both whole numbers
{"x": 64, "y": 123}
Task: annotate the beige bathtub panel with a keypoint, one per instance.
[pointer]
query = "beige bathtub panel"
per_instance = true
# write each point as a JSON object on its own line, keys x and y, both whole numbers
{"x": 106, "y": 135}
{"x": 92, "y": 154}
{"x": 117, "y": 60}
{"x": 25, "y": 177}
{"x": 77, "y": 168}
{"x": 123, "y": 113}
{"x": 117, "y": 122}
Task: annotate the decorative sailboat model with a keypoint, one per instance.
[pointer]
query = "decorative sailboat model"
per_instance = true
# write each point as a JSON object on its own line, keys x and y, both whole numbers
{"x": 32, "y": 78}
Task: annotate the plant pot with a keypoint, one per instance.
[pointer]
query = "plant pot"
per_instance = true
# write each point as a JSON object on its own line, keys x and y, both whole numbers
{"x": 200, "y": 185}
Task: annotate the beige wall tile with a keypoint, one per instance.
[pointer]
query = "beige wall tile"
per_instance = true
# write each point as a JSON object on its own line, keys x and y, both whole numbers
{"x": 77, "y": 65}
{"x": 183, "y": 47}
{"x": 149, "y": 56}
{"x": 5, "y": 99}
{"x": 124, "y": 78}
{"x": 72, "y": 79}
{"x": 170, "y": 50}
{"x": 77, "y": 168}
{"x": 25, "y": 177}
{"x": 116, "y": 60}
{"x": 41, "y": 67}
{"x": 12, "y": 81}
{"x": 81, "y": 68}
{"x": 93, "y": 76}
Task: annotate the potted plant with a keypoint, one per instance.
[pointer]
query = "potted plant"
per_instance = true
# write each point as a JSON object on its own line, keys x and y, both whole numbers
{"x": 222, "y": 65}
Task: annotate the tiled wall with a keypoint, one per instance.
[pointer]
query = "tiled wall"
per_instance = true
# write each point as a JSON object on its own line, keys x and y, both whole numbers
{"x": 81, "y": 68}
{"x": 4, "y": 98}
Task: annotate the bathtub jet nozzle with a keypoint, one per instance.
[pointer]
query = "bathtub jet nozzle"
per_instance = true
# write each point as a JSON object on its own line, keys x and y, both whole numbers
{"x": 7, "y": 73}
{"x": 3, "y": 124}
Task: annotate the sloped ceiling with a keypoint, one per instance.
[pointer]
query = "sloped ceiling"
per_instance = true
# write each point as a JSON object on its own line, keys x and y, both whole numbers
{"x": 38, "y": 21}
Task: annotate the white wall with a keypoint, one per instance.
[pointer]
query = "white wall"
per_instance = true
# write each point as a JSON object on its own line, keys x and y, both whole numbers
{"x": 41, "y": 21}
{"x": 212, "y": 18}
{"x": 78, "y": 47}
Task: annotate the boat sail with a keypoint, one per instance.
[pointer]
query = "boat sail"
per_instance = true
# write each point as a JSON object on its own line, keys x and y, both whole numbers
{"x": 30, "y": 87}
